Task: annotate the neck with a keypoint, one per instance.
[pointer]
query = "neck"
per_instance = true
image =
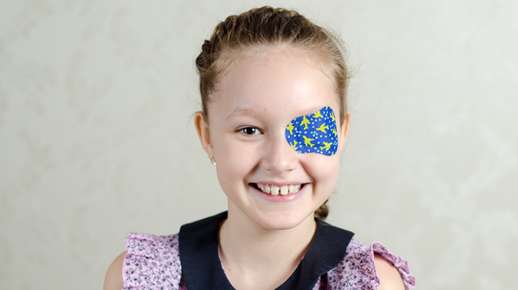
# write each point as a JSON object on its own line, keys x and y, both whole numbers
{"x": 247, "y": 248}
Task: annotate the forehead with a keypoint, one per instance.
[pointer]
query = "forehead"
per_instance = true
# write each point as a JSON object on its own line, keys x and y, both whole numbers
{"x": 274, "y": 78}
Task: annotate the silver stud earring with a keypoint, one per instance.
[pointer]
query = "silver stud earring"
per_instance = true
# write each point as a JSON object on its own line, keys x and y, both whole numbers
{"x": 212, "y": 161}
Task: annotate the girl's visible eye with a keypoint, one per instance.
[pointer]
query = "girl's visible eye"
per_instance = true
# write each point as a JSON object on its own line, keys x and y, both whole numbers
{"x": 249, "y": 130}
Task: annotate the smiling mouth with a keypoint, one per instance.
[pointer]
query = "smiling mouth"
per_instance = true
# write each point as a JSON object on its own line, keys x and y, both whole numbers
{"x": 279, "y": 191}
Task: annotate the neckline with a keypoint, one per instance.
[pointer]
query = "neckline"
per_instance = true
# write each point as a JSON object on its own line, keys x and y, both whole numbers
{"x": 202, "y": 268}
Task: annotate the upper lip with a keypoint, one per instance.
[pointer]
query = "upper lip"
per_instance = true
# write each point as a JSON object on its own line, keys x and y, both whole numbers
{"x": 280, "y": 183}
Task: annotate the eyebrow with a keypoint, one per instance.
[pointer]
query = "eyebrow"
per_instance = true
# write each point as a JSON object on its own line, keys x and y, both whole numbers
{"x": 249, "y": 110}
{"x": 241, "y": 111}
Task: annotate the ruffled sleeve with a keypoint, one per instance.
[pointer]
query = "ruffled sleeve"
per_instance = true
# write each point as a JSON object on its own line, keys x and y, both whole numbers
{"x": 357, "y": 270}
{"x": 399, "y": 263}
{"x": 151, "y": 261}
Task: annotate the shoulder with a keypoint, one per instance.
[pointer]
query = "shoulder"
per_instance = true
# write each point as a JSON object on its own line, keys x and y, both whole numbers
{"x": 371, "y": 266}
{"x": 113, "y": 278}
{"x": 388, "y": 275}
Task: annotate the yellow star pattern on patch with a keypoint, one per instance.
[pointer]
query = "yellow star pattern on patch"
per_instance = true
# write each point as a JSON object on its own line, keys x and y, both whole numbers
{"x": 305, "y": 122}
{"x": 322, "y": 128}
{"x": 294, "y": 145}
{"x": 327, "y": 146}
{"x": 307, "y": 141}
{"x": 317, "y": 115}
{"x": 290, "y": 128}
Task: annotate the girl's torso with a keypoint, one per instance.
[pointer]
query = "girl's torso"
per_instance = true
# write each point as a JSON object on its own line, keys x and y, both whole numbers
{"x": 189, "y": 260}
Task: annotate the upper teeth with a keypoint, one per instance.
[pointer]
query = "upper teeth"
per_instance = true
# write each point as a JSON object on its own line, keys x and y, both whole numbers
{"x": 275, "y": 190}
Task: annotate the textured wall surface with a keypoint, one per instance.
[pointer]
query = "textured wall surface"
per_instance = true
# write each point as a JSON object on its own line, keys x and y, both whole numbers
{"x": 97, "y": 140}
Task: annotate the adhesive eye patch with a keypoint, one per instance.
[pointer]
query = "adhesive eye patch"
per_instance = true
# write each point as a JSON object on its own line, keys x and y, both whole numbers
{"x": 313, "y": 133}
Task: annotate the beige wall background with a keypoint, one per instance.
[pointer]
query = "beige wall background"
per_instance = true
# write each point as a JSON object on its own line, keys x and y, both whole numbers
{"x": 96, "y": 134}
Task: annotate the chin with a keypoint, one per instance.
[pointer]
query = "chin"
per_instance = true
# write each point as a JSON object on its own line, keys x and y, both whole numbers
{"x": 280, "y": 221}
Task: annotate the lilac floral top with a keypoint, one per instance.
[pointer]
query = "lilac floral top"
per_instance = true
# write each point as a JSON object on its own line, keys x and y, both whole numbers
{"x": 189, "y": 260}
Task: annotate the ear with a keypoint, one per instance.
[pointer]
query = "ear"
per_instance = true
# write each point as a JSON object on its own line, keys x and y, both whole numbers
{"x": 344, "y": 130}
{"x": 202, "y": 128}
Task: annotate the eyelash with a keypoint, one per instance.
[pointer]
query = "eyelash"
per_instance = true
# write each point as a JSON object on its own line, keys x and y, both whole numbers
{"x": 240, "y": 130}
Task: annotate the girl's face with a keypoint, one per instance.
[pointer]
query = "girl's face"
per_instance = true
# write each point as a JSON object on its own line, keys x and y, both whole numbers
{"x": 260, "y": 93}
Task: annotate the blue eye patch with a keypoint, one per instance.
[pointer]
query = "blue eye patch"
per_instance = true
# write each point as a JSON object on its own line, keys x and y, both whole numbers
{"x": 313, "y": 133}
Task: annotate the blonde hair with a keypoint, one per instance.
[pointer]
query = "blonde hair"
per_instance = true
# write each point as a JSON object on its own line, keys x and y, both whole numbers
{"x": 269, "y": 26}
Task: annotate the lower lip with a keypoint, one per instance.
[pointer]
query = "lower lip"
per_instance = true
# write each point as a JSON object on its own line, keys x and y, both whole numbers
{"x": 280, "y": 198}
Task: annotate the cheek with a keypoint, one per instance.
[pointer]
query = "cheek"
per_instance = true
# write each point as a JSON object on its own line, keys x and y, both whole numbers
{"x": 324, "y": 172}
{"x": 235, "y": 160}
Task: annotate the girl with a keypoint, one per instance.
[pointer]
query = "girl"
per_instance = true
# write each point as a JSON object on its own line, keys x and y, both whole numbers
{"x": 274, "y": 121}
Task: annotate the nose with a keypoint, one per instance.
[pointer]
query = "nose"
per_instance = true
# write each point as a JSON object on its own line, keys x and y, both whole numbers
{"x": 279, "y": 157}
